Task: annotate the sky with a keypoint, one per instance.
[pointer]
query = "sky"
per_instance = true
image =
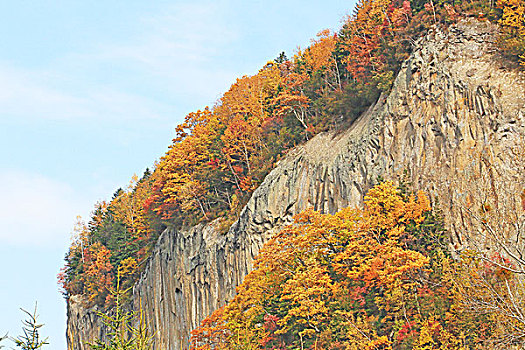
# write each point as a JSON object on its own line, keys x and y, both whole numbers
{"x": 90, "y": 94}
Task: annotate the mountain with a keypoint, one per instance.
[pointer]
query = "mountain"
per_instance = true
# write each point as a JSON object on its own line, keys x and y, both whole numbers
{"x": 446, "y": 127}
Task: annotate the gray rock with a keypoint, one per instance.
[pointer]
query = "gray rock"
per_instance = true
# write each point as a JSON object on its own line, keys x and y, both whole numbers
{"x": 451, "y": 118}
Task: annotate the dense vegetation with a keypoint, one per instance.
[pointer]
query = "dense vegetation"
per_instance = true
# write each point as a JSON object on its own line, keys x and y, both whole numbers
{"x": 359, "y": 279}
{"x": 220, "y": 154}
{"x": 380, "y": 277}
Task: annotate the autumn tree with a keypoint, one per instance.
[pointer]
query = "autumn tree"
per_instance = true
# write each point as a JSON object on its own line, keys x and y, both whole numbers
{"x": 292, "y": 98}
{"x": 246, "y": 107}
{"x": 98, "y": 273}
{"x": 319, "y": 56}
{"x": 130, "y": 208}
{"x": 376, "y": 39}
{"x": 220, "y": 154}
{"x": 513, "y": 23}
{"x": 181, "y": 181}
{"x": 212, "y": 333}
{"x": 358, "y": 279}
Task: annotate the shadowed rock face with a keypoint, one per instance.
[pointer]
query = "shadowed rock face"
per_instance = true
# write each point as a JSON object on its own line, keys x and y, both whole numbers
{"x": 83, "y": 325}
{"x": 450, "y": 122}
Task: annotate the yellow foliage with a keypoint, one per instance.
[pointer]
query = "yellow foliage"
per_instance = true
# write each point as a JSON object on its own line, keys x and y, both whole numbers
{"x": 319, "y": 55}
{"x": 330, "y": 276}
{"x": 98, "y": 277}
{"x": 433, "y": 337}
{"x": 127, "y": 266}
{"x": 513, "y": 22}
{"x": 513, "y": 14}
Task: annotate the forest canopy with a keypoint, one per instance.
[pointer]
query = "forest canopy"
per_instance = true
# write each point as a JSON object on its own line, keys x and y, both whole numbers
{"x": 221, "y": 153}
{"x": 376, "y": 277}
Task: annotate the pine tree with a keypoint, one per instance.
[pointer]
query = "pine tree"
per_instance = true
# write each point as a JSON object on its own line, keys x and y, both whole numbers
{"x": 30, "y": 340}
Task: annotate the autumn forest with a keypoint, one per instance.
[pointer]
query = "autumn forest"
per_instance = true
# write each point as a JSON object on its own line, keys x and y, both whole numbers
{"x": 376, "y": 277}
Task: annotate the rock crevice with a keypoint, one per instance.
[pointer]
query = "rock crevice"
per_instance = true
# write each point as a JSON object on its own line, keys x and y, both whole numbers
{"x": 448, "y": 123}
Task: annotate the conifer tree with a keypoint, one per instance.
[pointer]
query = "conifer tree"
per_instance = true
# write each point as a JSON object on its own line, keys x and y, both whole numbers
{"x": 31, "y": 339}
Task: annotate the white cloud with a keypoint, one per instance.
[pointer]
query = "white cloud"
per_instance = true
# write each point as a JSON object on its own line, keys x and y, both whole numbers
{"x": 31, "y": 95}
{"x": 192, "y": 34}
{"x": 179, "y": 58}
{"x": 22, "y": 94}
{"x": 185, "y": 49}
{"x": 35, "y": 210}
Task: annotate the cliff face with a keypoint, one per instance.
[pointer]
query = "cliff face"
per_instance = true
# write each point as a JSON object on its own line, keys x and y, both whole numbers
{"x": 83, "y": 325}
{"x": 452, "y": 122}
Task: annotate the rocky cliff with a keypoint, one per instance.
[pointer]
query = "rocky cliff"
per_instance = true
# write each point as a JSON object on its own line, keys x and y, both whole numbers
{"x": 452, "y": 124}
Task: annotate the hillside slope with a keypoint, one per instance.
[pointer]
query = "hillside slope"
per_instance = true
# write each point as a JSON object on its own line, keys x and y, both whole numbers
{"x": 449, "y": 123}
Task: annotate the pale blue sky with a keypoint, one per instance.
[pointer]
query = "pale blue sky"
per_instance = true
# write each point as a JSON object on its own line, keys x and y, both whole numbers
{"x": 90, "y": 92}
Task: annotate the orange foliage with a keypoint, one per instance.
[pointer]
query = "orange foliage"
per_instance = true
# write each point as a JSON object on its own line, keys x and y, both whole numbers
{"x": 375, "y": 28}
{"x": 221, "y": 154}
{"x": 319, "y": 55}
{"x": 365, "y": 29}
{"x": 128, "y": 207}
{"x": 179, "y": 184}
{"x": 98, "y": 276}
{"x": 321, "y": 279}
{"x": 292, "y": 98}
{"x": 218, "y": 151}
{"x": 513, "y": 14}
{"x": 211, "y": 334}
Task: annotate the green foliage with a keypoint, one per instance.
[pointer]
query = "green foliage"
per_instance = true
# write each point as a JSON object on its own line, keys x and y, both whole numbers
{"x": 123, "y": 334}
{"x": 31, "y": 339}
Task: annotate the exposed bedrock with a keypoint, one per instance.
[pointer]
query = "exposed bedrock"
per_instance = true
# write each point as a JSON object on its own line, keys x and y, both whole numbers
{"x": 450, "y": 123}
